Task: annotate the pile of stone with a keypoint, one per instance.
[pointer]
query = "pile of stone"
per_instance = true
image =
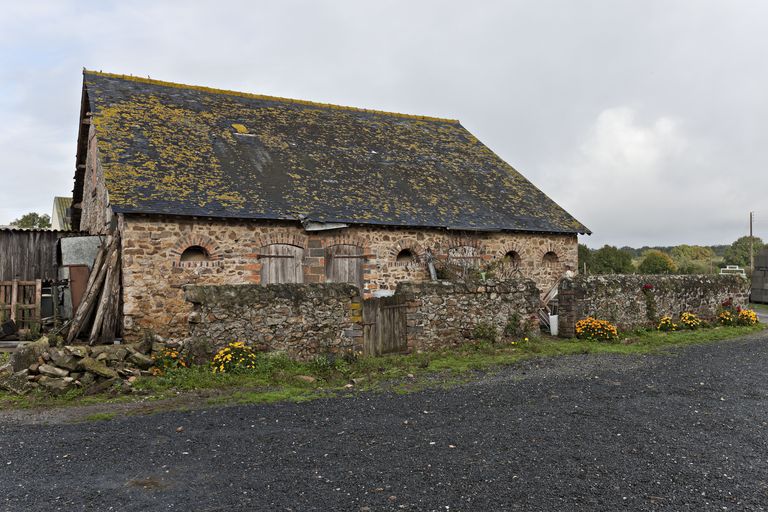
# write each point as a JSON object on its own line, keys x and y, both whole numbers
{"x": 58, "y": 370}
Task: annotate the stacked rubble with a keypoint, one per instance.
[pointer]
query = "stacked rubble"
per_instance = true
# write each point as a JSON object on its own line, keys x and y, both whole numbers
{"x": 58, "y": 370}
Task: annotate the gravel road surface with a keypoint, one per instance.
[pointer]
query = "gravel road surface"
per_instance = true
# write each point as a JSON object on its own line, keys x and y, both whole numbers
{"x": 682, "y": 431}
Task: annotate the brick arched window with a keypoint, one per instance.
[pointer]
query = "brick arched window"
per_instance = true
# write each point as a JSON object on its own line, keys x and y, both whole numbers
{"x": 550, "y": 259}
{"x": 512, "y": 259}
{"x": 194, "y": 253}
{"x": 405, "y": 256}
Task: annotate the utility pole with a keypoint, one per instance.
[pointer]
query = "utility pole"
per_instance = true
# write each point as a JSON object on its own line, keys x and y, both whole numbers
{"x": 751, "y": 243}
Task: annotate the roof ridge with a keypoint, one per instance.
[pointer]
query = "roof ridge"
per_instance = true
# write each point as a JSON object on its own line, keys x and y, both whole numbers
{"x": 214, "y": 90}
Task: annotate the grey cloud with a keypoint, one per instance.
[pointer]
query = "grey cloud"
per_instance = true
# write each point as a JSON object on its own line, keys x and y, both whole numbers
{"x": 538, "y": 82}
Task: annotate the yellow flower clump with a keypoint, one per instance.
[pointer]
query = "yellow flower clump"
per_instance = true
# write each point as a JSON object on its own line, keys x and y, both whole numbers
{"x": 690, "y": 320}
{"x": 235, "y": 356}
{"x": 666, "y": 324}
{"x": 591, "y": 328}
{"x": 747, "y": 317}
{"x": 168, "y": 359}
{"x": 726, "y": 318}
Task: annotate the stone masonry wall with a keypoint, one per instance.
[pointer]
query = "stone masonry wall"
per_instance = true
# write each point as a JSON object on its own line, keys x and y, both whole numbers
{"x": 444, "y": 314}
{"x": 297, "y": 319}
{"x": 153, "y": 274}
{"x": 632, "y": 301}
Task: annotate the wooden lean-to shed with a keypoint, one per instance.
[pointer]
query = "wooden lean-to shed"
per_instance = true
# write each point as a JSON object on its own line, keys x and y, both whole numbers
{"x": 27, "y": 260}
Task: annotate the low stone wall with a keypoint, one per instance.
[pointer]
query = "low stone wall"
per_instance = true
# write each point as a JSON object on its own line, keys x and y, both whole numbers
{"x": 301, "y": 320}
{"x": 632, "y": 301}
{"x": 443, "y": 314}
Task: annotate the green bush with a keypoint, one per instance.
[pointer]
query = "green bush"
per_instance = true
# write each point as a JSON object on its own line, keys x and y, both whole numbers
{"x": 485, "y": 332}
{"x": 656, "y": 262}
{"x": 514, "y": 327}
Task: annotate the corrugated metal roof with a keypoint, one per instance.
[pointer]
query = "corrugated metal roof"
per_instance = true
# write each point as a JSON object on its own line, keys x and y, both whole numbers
{"x": 60, "y": 216}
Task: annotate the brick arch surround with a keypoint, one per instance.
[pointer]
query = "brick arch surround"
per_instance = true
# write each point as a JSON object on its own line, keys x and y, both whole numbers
{"x": 282, "y": 238}
{"x": 411, "y": 245}
{"x": 509, "y": 247}
{"x": 548, "y": 248}
{"x": 199, "y": 240}
{"x": 348, "y": 240}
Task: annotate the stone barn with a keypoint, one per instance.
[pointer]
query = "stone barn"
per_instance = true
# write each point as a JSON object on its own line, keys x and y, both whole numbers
{"x": 209, "y": 186}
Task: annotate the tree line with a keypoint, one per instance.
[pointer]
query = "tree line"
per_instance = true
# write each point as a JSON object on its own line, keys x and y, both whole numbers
{"x": 679, "y": 259}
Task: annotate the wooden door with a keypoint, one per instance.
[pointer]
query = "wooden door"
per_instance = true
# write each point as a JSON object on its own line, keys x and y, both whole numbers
{"x": 384, "y": 325}
{"x": 464, "y": 256}
{"x": 78, "y": 279}
{"x": 344, "y": 264}
{"x": 281, "y": 263}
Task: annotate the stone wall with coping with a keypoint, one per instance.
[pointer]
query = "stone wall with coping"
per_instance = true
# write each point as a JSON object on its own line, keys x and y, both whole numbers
{"x": 444, "y": 314}
{"x": 299, "y": 320}
{"x": 153, "y": 275}
{"x": 633, "y": 301}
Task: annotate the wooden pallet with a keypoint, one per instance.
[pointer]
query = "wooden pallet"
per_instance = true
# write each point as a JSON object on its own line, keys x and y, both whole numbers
{"x": 20, "y": 302}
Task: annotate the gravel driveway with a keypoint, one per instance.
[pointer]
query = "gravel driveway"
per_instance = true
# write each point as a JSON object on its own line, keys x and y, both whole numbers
{"x": 683, "y": 431}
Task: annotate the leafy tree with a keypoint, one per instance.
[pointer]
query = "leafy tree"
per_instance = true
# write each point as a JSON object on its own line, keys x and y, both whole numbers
{"x": 738, "y": 252}
{"x": 610, "y": 260}
{"x": 693, "y": 259}
{"x": 692, "y": 253}
{"x": 656, "y": 262}
{"x": 695, "y": 267}
{"x": 585, "y": 256}
{"x": 33, "y": 220}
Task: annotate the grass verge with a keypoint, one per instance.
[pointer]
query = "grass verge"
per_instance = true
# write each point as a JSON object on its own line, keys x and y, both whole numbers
{"x": 277, "y": 379}
{"x": 100, "y": 416}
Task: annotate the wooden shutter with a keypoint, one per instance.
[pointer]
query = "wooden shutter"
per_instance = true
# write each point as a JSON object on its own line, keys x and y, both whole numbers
{"x": 344, "y": 264}
{"x": 281, "y": 263}
{"x": 464, "y": 256}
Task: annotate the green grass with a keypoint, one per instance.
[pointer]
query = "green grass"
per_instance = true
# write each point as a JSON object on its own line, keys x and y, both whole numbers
{"x": 278, "y": 378}
{"x": 760, "y": 308}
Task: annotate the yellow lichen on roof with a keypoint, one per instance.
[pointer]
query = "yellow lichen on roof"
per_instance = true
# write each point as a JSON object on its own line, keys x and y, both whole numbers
{"x": 194, "y": 151}
{"x": 213, "y": 90}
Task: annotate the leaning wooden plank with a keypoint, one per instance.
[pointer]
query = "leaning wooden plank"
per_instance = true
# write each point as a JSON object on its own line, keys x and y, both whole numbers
{"x": 110, "y": 325}
{"x": 100, "y": 256}
{"x": 104, "y": 300}
{"x": 112, "y": 288}
{"x": 89, "y": 299}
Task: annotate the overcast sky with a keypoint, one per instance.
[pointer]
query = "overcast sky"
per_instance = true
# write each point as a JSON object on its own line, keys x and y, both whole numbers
{"x": 646, "y": 120}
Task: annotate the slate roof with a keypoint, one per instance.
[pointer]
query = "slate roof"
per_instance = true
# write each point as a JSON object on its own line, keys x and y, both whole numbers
{"x": 186, "y": 150}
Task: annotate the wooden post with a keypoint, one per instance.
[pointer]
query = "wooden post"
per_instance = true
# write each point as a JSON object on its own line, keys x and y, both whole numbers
{"x": 14, "y": 298}
{"x": 38, "y": 304}
{"x": 55, "y": 299}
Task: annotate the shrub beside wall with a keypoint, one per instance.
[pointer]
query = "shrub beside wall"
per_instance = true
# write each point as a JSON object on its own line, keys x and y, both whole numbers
{"x": 632, "y": 301}
{"x": 300, "y": 320}
{"x": 443, "y": 314}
